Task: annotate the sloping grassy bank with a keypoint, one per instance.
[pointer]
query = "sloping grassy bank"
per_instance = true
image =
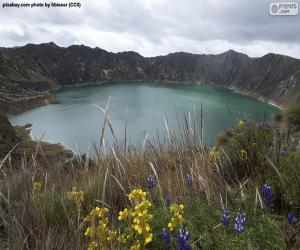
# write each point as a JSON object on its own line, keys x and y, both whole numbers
{"x": 172, "y": 193}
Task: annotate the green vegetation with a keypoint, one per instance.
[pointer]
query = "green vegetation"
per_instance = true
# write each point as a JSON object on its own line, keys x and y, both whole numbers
{"x": 243, "y": 193}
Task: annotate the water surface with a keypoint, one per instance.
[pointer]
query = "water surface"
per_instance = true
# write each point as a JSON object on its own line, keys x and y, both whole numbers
{"x": 76, "y": 120}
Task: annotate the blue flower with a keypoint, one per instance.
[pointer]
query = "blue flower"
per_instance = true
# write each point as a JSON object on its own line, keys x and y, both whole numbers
{"x": 184, "y": 239}
{"x": 240, "y": 221}
{"x": 189, "y": 180}
{"x": 267, "y": 195}
{"x": 150, "y": 182}
{"x": 292, "y": 218}
{"x": 167, "y": 237}
{"x": 239, "y": 228}
{"x": 225, "y": 217}
{"x": 243, "y": 216}
{"x": 284, "y": 152}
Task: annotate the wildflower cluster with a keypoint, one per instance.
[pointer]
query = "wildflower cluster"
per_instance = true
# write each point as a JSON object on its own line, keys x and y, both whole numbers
{"x": 267, "y": 195}
{"x": 225, "y": 217}
{"x": 184, "y": 239}
{"x": 77, "y": 197}
{"x": 150, "y": 182}
{"x": 99, "y": 233}
{"x": 36, "y": 189}
{"x": 213, "y": 154}
{"x": 240, "y": 221}
{"x": 140, "y": 218}
{"x": 177, "y": 216}
{"x": 167, "y": 237}
{"x": 243, "y": 154}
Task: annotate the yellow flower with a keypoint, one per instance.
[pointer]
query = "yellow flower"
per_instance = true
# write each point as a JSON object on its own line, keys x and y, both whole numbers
{"x": 243, "y": 154}
{"x": 137, "y": 193}
{"x": 88, "y": 232}
{"x": 99, "y": 230}
{"x": 139, "y": 217}
{"x": 136, "y": 246}
{"x": 36, "y": 189}
{"x": 122, "y": 239}
{"x": 77, "y": 197}
{"x": 93, "y": 245}
{"x": 241, "y": 124}
{"x": 170, "y": 226}
{"x": 123, "y": 214}
{"x": 148, "y": 239}
{"x": 177, "y": 216}
{"x": 213, "y": 154}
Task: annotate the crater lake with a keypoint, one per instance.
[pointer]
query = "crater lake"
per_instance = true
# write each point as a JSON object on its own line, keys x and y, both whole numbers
{"x": 77, "y": 121}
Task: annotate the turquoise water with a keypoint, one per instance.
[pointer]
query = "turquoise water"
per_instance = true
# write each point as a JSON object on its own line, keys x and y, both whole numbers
{"x": 76, "y": 120}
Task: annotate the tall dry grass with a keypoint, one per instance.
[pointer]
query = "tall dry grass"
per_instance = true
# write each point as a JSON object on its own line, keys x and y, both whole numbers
{"x": 50, "y": 221}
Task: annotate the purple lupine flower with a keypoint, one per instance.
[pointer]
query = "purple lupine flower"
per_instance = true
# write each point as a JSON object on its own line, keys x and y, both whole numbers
{"x": 284, "y": 152}
{"x": 189, "y": 180}
{"x": 167, "y": 237}
{"x": 184, "y": 239}
{"x": 292, "y": 218}
{"x": 225, "y": 217}
{"x": 150, "y": 182}
{"x": 238, "y": 227}
{"x": 240, "y": 221}
{"x": 243, "y": 218}
{"x": 267, "y": 195}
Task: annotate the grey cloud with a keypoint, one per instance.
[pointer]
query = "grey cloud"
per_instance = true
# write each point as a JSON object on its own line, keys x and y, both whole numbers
{"x": 157, "y": 26}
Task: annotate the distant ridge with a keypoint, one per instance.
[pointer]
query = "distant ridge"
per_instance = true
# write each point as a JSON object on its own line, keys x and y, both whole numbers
{"x": 33, "y": 71}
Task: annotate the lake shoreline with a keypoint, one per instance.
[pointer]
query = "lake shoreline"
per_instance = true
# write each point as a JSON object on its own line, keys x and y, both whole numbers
{"x": 51, "y": 98}
{"x": 239, "y": 91}
{"x": 158, "y": 83}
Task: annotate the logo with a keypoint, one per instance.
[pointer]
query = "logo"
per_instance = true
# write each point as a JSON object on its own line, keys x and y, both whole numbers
{"x": 274, "y": 9}
{"x": 283, "y": 9}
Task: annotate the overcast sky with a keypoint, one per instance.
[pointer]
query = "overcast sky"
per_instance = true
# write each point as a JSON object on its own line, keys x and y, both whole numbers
{"x": 156, "y": 27}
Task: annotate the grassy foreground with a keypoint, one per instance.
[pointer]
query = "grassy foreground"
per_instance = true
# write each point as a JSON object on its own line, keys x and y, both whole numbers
{"x": 174, "y": 193}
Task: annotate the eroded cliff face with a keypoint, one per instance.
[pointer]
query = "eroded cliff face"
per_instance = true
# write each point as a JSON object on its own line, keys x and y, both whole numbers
{"x": 29, "y": 74}
{"x": 8, "y": 137}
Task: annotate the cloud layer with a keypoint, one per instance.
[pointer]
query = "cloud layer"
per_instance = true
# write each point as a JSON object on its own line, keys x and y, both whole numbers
{"x": 155, "y": 27}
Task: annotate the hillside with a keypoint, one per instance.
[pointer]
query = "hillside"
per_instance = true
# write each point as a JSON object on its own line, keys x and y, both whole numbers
{"x": 28, "y": 74}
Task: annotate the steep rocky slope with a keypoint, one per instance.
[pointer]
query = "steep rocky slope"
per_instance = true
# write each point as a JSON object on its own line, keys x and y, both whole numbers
{"x": 28, "y": 74}
{"x": 17, "y": 142}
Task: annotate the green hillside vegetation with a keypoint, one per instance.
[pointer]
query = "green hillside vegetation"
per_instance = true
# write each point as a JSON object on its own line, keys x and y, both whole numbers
{"x": 169, "y": 193}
